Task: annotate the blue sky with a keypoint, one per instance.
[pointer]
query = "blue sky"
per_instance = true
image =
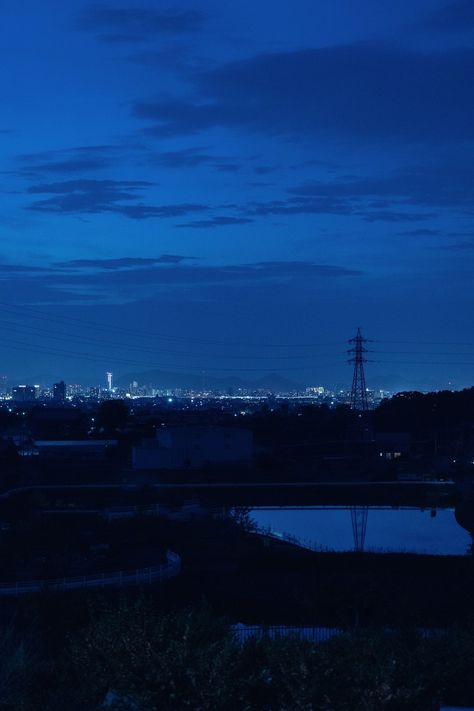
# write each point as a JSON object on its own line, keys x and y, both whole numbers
{"x": 237, "y": 187}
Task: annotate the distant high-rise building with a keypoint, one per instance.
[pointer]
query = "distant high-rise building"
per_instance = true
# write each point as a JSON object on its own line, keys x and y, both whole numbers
{"x": 59, "y": 391}
{"x": 109, "y": 381}
{"x": 24, "y": 393}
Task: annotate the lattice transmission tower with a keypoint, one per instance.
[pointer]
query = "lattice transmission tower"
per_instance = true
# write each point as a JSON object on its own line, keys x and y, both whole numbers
{"x": 359, "y": 515}
{"x": 357, "y": 353}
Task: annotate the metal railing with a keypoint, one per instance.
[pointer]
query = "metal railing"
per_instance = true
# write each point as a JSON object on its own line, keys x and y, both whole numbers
{"x": 285, "y": 537}
{"x": 315, "y": 635}
{"x": 139, "y": 576}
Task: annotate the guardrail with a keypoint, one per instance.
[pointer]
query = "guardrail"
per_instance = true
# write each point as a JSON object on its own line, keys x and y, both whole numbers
{"x": 316, "y": 635}
{"x": 284, "y": 537}
{"x": 139, "y": 576}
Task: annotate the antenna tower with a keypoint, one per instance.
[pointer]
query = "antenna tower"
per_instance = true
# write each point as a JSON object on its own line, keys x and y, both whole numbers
{"x": 358, "y": 392}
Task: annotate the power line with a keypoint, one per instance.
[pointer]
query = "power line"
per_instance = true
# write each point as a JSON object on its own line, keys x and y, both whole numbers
{"x": 429, "y": 343}
{"x": 22, "y": 328}
{"x": 41, "y": 315}
{"x": 18, "y": 345}
{"x": 55, "y": 335}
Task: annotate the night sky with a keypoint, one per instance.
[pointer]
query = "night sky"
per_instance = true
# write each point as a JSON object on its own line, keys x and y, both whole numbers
{"x": 236, "y": 187}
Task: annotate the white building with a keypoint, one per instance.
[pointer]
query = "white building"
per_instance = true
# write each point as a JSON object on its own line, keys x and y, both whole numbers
{"x": 193, "y": 447}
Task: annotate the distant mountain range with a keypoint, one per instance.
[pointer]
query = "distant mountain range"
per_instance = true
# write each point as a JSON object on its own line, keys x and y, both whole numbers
{"x": 187, "y": 381}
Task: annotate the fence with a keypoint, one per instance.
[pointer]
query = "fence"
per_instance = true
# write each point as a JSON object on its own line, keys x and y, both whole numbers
{"x": 294, "y": 540}
{"x": 317, "y": 635}
{"x": 139, "y": 576}
{"x": 309, "y": 634}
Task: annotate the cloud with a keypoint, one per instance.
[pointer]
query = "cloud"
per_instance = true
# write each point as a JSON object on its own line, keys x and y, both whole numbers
{"x": 316, "y": 205}
{"x": 142, "y": 280}
{"x": 184, "y": 158}
{"x": 194, "y": 157}
{"x": 137, "y": 24}
{"x": 85, "y": 196}
{"x": 99, "y": 196}
{"x": 141, "y": 212}
{"x": 436, "y": 183}
{"x": 360, "y": 91}
{"x": 219, "y": 221}
{"x": 21, "y": 269}
{"x": 265, "y": 169}
{"x": 75, "y": 160}
{"x": 69, "y": 165}
{"x": 228, "y": 167}
{"x": 122, "y": 262}
{"x": 387, "y": 216}
{"x": 460, "y": 246}
{"x": 117, "y": 281}
{"x": 457, "y": 15}
{"x": 421, "y": 232}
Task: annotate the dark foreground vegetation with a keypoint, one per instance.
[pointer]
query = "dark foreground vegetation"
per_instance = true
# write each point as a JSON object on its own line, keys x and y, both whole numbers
{"x": 127, "y": 655}
{"x": 171, "y": 646}
{"x": 246, "y": 576}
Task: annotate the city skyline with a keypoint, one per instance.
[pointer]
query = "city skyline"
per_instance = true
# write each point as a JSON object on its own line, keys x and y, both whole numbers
{"x": 235, "y": 190}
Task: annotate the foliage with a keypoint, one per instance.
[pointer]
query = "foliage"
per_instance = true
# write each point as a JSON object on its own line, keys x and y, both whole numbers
{"x": 241, "y": 517}
{"x": 129, "y": 656}
{"x": 16, "y": 662}
{"x": 415, "y": 412}
{"x": 174, "y": 661}
{"x": 112, "y": 415}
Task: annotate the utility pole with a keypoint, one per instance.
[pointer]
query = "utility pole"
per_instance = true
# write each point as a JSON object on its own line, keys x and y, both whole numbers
{"x": 358, "y": 391}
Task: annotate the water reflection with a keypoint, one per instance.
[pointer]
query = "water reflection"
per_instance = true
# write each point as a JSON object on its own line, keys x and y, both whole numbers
{"x": 359, "y": 516}
{"x": 433, "y": 531}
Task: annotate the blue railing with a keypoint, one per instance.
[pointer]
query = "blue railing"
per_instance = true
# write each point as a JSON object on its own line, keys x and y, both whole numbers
{"x": 139, "y": 576}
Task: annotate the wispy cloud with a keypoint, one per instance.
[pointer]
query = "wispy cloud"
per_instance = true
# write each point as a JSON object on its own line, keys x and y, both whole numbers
{"x": 329, "y": 92}
{"x": 218, "y": 221}
{"x": 77, "y": 160}
{"x": 6, "y": 268}
{"x": 89, "y": 196}
{"x": 388, "y": 216}
{"x": 141, "y": 212}
{"x": 420, "y": 232}
{"x": 123, "y": 262}
{"x": 457, "y": 15}
{"x": 137, "y": 24}
{"x": 467, "y": 246}
{"x": 194, "y": 157}
{"x": 435, "y": 183}
{"x": 99, "y": 196}
{"x": 317, "y": 205}
{"x": 128, "y": 279}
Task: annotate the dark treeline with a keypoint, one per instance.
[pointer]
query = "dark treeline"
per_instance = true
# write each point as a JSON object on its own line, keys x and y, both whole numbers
{"x": 417, "y": 412}
{"x": 413, "y": 412}
{"x": 126, "y": 655}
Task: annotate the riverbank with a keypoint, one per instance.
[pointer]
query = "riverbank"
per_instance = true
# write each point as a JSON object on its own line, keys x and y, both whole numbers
{"x": 275, "y": 582}
{"x": 236, "y": 493}
{"x": 253, "y": 578}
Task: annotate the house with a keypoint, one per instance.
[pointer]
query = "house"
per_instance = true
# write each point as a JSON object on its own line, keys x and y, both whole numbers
{"x": 392, "y": 445}
{"x": 79, "y": 450}
{"x": 193, "y": 447}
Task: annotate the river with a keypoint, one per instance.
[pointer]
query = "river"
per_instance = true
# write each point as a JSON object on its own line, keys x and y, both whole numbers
{"x": 432, "y": 531}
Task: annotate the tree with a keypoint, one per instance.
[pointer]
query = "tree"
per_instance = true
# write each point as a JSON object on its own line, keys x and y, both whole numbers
{"x": 112, "y": 416}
